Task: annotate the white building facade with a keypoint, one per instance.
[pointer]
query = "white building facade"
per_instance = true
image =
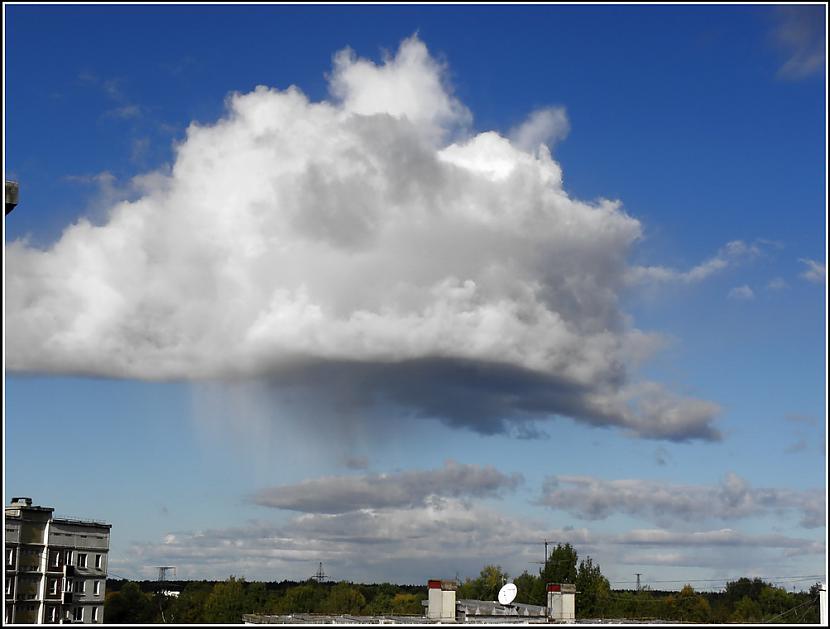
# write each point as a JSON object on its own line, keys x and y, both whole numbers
{"x": 56, "y": 568}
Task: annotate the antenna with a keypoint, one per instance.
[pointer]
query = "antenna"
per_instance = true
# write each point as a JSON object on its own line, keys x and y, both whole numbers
{"x": 638, "y": 580}
{"x": 507, "y": 593}
{"x": 320, "y": 575}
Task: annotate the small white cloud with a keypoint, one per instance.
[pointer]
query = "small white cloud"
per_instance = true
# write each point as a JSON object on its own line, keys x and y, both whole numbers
{"x": 816, "y": 271}
{"x": 776, "y": 283}
{"x": 741, "y": 293}
{"x": 544, "y": 126}
{"x": 125, "y": 112}
{"x": 731, "y": 254}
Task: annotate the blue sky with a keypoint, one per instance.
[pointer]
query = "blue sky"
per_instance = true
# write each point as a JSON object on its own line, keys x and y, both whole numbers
{"x": 124, "y": 348}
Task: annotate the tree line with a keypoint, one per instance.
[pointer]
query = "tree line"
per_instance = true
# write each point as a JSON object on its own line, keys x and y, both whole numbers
{"x": 226, "y": 601}
{"x": 742, "y": 600}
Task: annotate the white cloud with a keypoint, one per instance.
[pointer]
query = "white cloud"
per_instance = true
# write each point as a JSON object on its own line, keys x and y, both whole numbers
{"x": 442, "y": 540}
{"x": 371, "y": 232}
{"x": 730, "y": 254}
{"x": 593, "y": 498}
{"x": 816, "y": 271}
{"x": 544, "y": 126}
{"x": 741, "y": 293}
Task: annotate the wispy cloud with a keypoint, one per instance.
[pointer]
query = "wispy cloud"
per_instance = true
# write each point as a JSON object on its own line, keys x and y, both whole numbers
{"x": 734, "y": 252}
{"x": 125, "y": 111}
{"x": 741, "y": 293}
{"x": 800, "y": 34}
{"x": 816, "y": 271}
{"x": 544, "y": 126}
{"x": 593, "y": 499}
{"x": 777, "y": 283}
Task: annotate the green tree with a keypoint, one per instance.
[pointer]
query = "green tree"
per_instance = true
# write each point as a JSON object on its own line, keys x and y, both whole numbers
{"x": 226, "y": 602}
{"x": 490, "y": 581}
{"x": 130, "y": 606}
{"x": 256, "y": 598}
{"x": 305, "y": 598}
{"x": 746, "y": 610}
{"x": 560, "y": 566}
{"x": 380, "y": 605}
{"x": 343, "y": 598}
{"x": 404, "y": 604}
{"x": 691, "y": 606}
{"x": 736, "y": 590}
{"x": 527, "y": 586}
{"x": 594, "y": 590}
{"x": 774, "y": 602}
{"x": 189, "y": 606}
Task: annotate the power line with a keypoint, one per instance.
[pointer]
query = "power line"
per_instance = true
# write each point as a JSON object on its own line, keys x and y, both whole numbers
{"x": 768, "y": 620}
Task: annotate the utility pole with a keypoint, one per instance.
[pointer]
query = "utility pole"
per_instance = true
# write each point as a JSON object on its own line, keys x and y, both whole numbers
{"x": 638, "y": 580}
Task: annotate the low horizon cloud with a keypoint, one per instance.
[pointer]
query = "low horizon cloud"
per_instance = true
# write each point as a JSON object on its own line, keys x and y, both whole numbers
{"x": 410, "y": 545}
{"x": 733, "y": 498}
{"x": 371, "y": 241}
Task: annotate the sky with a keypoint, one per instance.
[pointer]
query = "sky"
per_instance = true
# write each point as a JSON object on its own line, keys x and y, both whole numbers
{"x": 409, "y": 290}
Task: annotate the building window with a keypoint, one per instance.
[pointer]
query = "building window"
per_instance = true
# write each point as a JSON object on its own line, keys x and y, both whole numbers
{"x": 79, "y": 613}
{"x": 82, "y": 560}
{"x": 95, "y": 614}
{"x": 53, "y": 614}
{"x": 80, "y": 586}
{"x": 67, "y": 585}
{"x": 68, "y": 558}
{"x": 9, "y": 585}
{"x": 56, "y": 559}
{"x": 53, "y": 586}
{"x": 99, "y": 561}
{"x": 97, "y": 588}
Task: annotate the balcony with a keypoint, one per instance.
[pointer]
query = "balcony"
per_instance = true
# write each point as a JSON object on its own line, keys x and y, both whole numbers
{"x": 72, "y": 597}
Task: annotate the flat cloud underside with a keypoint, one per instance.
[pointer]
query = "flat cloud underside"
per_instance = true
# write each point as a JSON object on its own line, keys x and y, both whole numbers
{"x": 374, "y": 237}
{"x": 486, "y": 397}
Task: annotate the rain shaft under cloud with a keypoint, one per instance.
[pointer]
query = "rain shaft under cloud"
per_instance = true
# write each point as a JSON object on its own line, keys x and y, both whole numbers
{"x": 373, "y": 240}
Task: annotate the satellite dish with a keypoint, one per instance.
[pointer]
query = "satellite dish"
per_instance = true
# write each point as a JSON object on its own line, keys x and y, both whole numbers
{"x": 507, "y": 594}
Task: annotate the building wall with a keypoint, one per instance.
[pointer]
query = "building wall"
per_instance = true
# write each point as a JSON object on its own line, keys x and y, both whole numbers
{"x": 56, "y": 568}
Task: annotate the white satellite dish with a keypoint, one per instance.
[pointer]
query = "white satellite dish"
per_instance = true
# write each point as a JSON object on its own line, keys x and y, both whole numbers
{"x": 507, "y": 594}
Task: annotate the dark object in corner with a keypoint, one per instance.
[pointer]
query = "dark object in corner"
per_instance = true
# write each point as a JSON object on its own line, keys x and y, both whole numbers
{"x": 12, "y": 191}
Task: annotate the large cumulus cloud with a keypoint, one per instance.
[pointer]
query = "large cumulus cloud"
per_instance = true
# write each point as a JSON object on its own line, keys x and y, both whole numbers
{"x": 371, "y": 236}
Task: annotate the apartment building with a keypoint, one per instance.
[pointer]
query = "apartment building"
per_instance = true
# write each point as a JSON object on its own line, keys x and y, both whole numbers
{"x": 56, "y": 568}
